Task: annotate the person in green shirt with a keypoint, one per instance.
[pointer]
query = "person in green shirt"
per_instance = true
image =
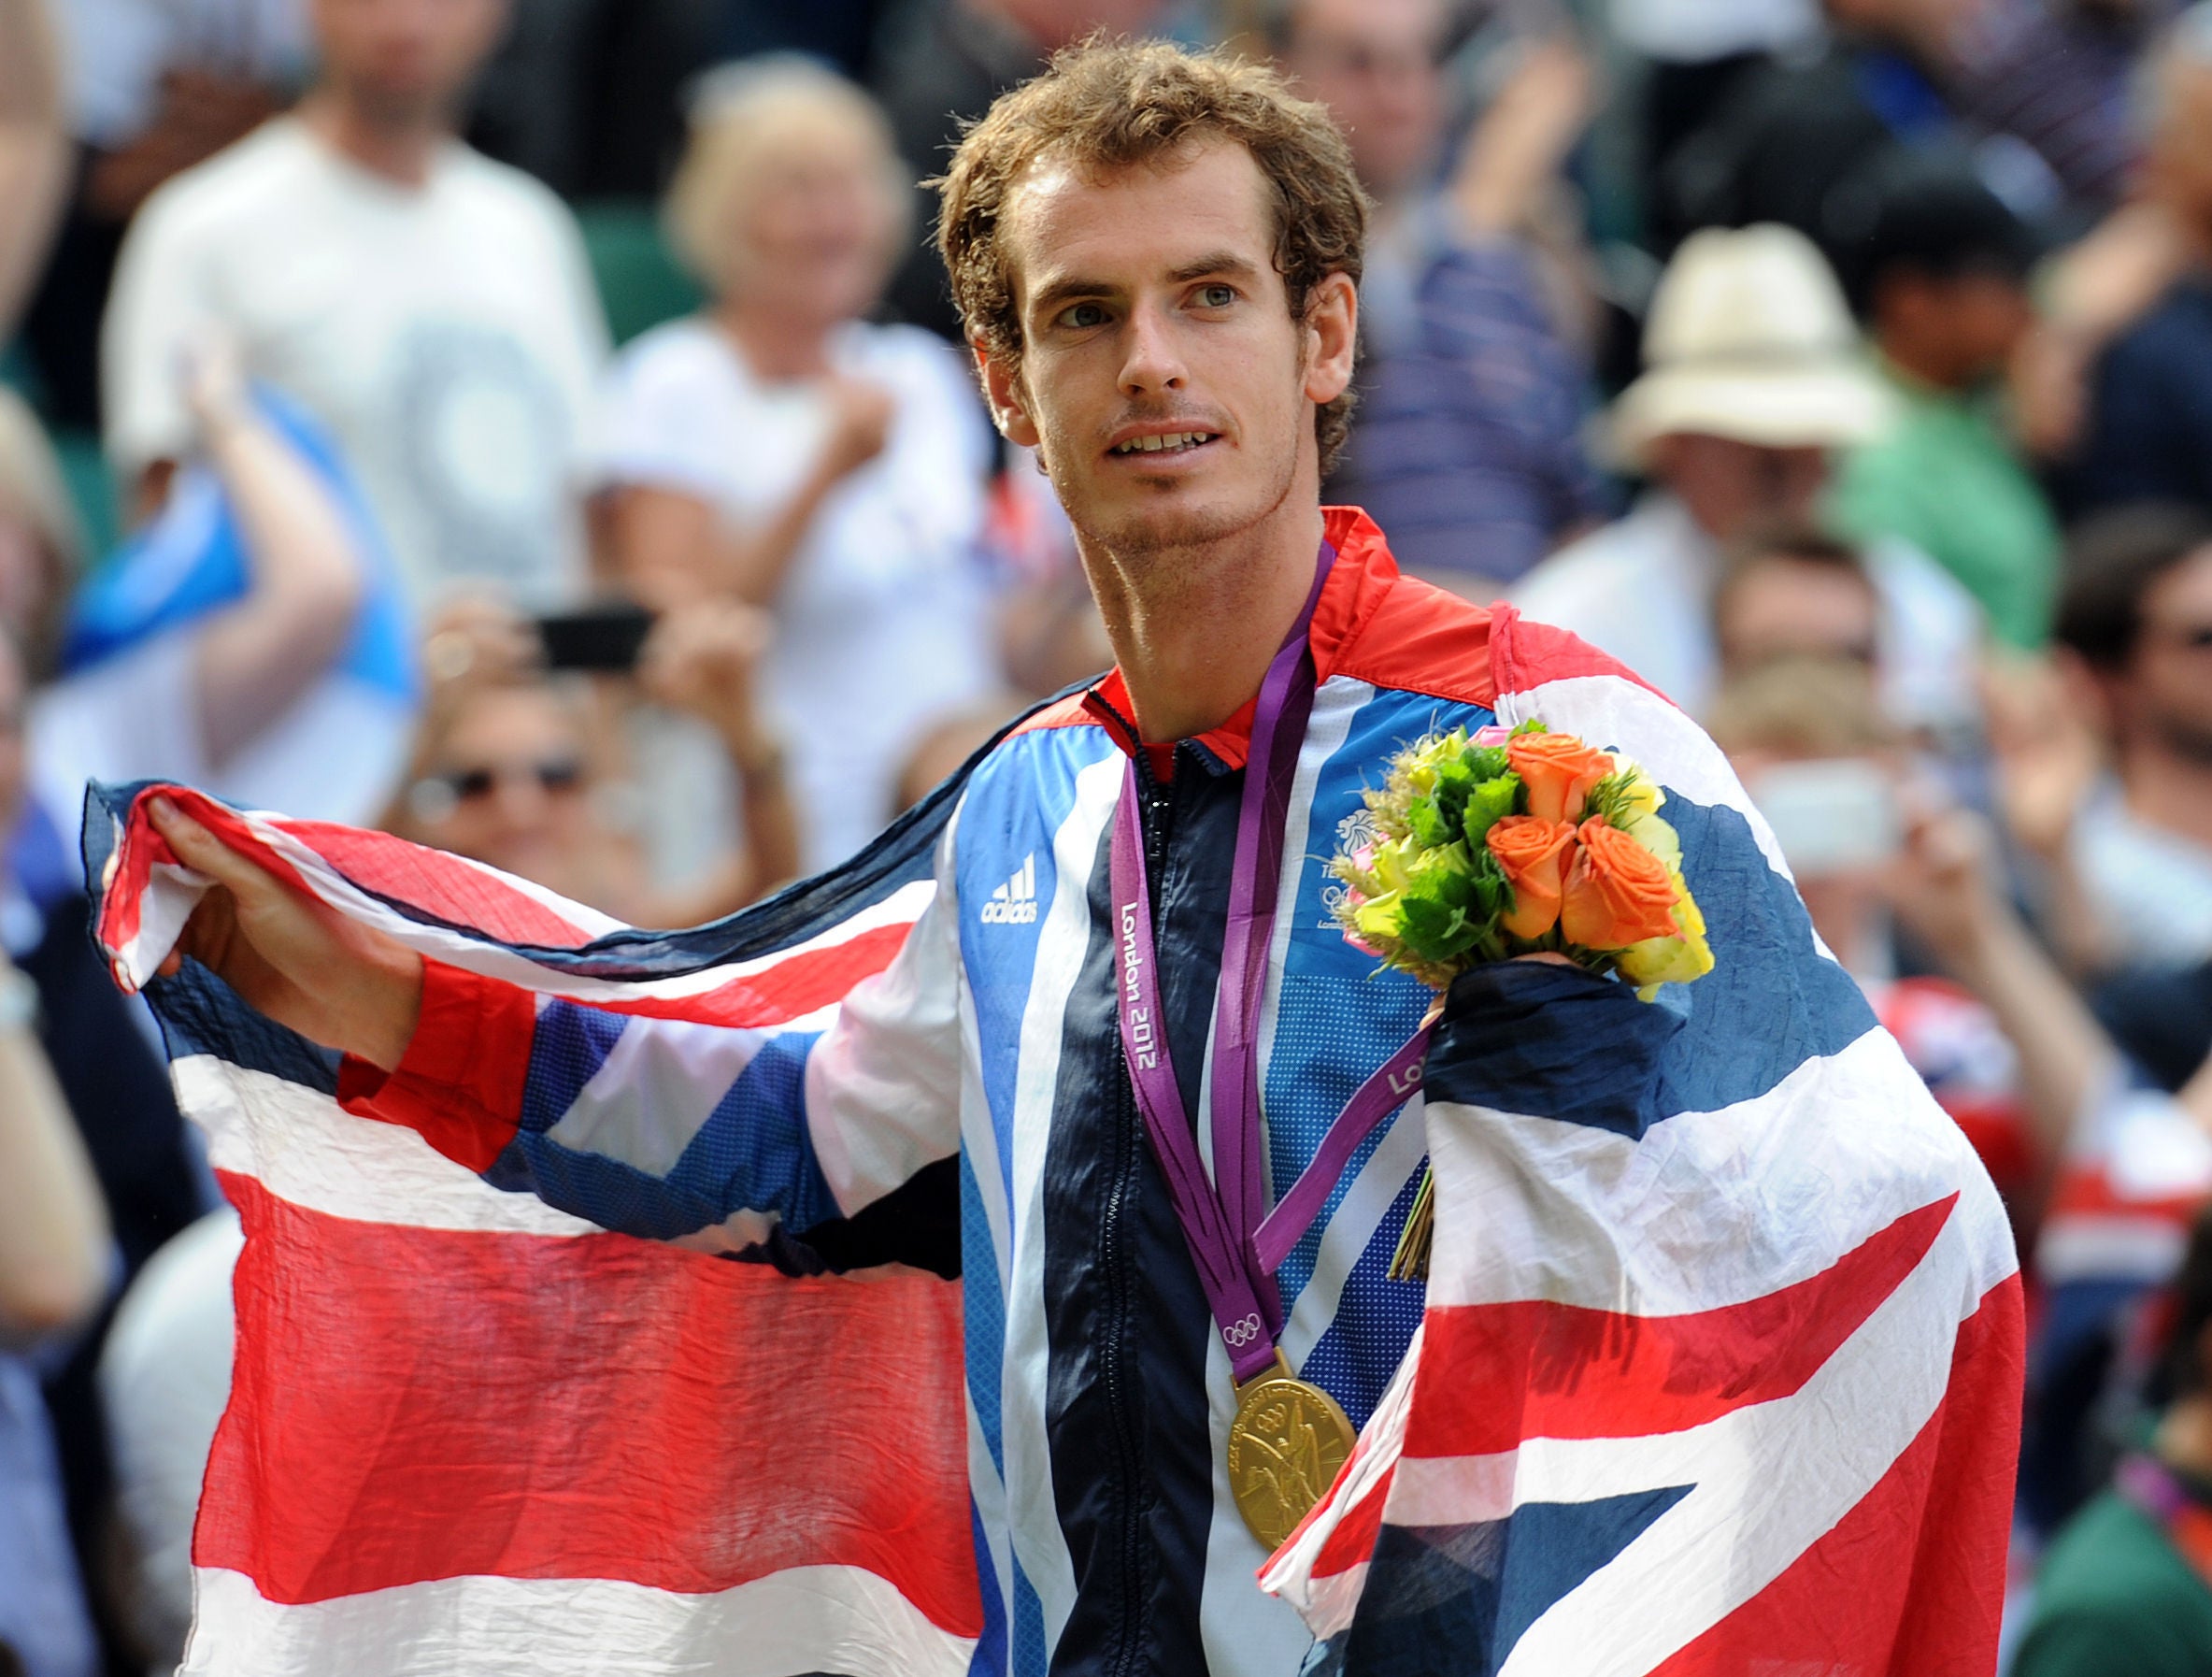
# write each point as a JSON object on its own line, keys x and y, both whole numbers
{"x": 2125, "y": 1589}
{"x": 1940, "y": 281}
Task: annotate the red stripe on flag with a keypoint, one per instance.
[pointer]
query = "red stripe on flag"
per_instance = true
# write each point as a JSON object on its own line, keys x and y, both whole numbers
{"x": 412, "y": 1404}
{"x": 1910, "y": 1583}
{"x": 438, "y": 885}
{"x": 794, "y": 986}
{"x": 1566, "y": 1372}
{"x": 1352, "y": 1543}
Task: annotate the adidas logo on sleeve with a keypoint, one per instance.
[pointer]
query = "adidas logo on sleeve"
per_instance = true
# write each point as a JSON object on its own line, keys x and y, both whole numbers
{"x": 1015, "y": 903}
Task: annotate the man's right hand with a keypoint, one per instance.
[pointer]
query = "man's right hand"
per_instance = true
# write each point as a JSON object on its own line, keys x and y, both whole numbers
{"x": 295, "y": 959}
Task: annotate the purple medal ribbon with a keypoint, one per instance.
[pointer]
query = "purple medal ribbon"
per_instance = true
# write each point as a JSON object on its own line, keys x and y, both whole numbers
{"x": 1235, "y": 1242}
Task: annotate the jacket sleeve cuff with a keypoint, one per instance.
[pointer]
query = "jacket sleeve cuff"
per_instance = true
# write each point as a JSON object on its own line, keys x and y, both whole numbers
{"x": 459, "y": 1084}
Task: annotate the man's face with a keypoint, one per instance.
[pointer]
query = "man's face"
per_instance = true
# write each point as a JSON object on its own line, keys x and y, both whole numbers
{"x": 1729, "y": 485}
{"x": 2167, "y": 689}
{"x": 404, "y": 59}
{"x": 1372, "y": 63}
{"x": 1162, "y": 379}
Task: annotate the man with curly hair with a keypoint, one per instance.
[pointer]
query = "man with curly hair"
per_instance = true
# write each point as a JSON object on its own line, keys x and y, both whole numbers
{"x": 1126, "y": 1020}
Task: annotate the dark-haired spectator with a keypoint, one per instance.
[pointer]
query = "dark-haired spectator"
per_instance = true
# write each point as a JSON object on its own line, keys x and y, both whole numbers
{"x": 1941, "y": 282}
{"x": 1468, "y": 447}
{"x": 431, "y": 307}
{"x": 2125, "y": 1589}
{"x": 2135, "y": 616}
{"x": 781, "y": 449}
{"x": 1789, "y": 136}
{"x": 2148, "y": 432}
{"x": 1752, "y": 376}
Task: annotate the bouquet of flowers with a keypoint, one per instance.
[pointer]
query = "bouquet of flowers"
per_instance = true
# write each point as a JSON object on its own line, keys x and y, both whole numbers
{"x": 1512, "y": 842}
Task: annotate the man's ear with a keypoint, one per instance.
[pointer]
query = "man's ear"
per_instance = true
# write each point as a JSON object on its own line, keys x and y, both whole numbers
{"x": 1002, "y": 389}
{"x": 1332, "y": 330}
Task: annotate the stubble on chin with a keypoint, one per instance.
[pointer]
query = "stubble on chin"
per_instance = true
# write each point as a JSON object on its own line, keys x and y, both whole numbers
{"x": 1140, "y": 537}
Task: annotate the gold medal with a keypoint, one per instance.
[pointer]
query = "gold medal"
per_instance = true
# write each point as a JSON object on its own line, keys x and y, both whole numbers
{"x": 1285, "y": 1447}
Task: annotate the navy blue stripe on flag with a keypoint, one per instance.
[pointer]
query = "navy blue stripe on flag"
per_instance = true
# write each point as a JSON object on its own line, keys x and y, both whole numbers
{"x": 1556, "y": 1042}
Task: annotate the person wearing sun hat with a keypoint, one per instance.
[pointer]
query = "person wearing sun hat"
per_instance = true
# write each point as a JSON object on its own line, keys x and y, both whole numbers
{"x": 1753, "y": 378}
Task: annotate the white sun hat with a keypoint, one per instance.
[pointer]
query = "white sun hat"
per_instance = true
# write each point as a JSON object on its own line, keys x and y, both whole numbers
{"x": 1748, "y": 338}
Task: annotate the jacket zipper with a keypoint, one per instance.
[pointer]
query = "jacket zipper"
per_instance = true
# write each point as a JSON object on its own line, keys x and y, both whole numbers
{"x": 1128, "y": 1140}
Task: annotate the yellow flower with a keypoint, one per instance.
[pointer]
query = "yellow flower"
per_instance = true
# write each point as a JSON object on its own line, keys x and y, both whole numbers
{"x": 1641, "y": 795}
{"x": 1658, "y": 837}
{"x": 1381, "y": 917}
{"x": 1675, "y": 960}
{"x": 1392, "y": 869}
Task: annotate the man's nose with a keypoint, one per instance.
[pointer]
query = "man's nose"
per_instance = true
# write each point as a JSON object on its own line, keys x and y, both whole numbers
{"x": 1154, "y": 362}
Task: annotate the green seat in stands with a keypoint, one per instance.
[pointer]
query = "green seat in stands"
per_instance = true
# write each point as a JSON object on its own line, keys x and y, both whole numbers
{"x": 639, "y": 282}
{"x": 92, "y": 486}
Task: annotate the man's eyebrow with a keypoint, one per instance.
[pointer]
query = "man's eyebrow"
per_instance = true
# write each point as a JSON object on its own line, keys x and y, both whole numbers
{"x": 1220, "y": 262}
{"x": 1068, "y": 290}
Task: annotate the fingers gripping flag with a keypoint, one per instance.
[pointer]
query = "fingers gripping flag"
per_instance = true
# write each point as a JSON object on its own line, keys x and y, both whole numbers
{"x": 468, "y": 1432}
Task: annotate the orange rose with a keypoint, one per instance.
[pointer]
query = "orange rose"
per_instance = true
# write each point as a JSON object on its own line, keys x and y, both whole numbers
{"x": 1559, "y": 772}
{"x": 1616, "y": 893}
{"x": 1533, "y": 855}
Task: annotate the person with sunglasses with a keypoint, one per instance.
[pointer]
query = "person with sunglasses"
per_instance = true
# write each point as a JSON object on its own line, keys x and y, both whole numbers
{"x": 513, "y": 768}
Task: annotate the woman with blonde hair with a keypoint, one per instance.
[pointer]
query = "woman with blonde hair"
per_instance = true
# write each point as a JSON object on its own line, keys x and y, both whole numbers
{"x": 780, "y": 449}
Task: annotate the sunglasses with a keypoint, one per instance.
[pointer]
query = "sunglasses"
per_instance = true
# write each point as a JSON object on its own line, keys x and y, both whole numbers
{"x": 553, "y": 774}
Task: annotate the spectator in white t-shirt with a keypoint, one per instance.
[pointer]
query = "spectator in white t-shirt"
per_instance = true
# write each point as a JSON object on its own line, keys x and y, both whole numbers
{"x": 780, "y": 449}
{"x": 433, "y": 309}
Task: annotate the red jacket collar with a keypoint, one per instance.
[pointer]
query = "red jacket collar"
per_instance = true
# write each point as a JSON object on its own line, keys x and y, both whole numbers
{"x": 1363, "y": 573}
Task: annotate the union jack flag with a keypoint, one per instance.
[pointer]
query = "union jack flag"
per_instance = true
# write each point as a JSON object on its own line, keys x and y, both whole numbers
{"x": 469, "y": 1432}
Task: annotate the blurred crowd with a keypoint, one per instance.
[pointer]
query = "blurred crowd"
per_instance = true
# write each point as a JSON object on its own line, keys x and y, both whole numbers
{"x": 535, "y": 428}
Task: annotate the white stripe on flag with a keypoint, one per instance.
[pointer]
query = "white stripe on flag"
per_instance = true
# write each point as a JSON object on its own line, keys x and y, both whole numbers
{"x": 796, "y": 1620}
{"x": 1832, "y": 1154}
{"x": 304, "y": 1147}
